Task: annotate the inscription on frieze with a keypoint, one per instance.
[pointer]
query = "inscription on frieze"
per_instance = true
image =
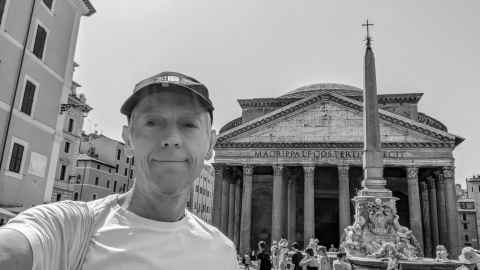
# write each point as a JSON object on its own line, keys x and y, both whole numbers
{"x": 316, "y": 155}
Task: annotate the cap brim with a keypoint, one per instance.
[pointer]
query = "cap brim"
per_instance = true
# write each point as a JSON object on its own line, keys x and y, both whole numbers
{"x": 133, "y": 100}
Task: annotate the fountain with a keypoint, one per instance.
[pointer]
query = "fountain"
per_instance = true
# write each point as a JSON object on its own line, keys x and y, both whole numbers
{"x": 376, "y": 240}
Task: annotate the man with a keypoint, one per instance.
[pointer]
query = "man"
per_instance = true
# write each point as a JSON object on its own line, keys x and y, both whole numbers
{"x": 170, "y": 135}
{"x": 296, "y": 257}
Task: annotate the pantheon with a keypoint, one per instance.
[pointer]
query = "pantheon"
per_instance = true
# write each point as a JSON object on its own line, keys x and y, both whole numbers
{"x": 302, "y": 152}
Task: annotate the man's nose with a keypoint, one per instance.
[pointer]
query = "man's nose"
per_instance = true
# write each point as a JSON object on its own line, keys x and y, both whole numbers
{"x": 171, "y": 139}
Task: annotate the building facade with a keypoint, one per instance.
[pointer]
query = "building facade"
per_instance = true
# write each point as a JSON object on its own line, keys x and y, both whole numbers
{"x": 37, "y": 47}
{"x": 467, "y": 223}
{"x": 201, "y": 196}
{"x": 305, "y": 148}
{"x": 101, "y": 168}
{"x": 473, "y": 192}
{"x": 76, "y": 110}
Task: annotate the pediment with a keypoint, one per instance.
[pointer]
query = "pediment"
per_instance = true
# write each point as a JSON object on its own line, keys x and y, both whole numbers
{"x": 329, "y": 118}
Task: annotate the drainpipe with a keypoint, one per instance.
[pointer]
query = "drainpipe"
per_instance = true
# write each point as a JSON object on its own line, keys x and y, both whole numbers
{"x": 14, "y": 96}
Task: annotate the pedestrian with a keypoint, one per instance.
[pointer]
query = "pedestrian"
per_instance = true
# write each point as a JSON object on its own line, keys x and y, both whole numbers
{"x": 323, "y": 259}
{"x": 297, "y": 256}
{"x": 332, "y": 248}
{"x": 274, "y": 254}
{"x": 263, "y": 258}
{"x": 341, "y": 263}
{"x": 170, "y": 136}
{"x": 283, "y": 254}
{"x": 247, "y": 261}
{"x": 309, "y": 262}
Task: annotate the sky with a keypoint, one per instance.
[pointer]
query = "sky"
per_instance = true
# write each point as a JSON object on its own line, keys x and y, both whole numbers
{"x": 252, "y": 49}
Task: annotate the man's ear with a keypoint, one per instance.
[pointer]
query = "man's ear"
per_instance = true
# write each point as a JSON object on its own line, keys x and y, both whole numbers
{"x": 213, "y": 140}
{"x": 126, "y": 139}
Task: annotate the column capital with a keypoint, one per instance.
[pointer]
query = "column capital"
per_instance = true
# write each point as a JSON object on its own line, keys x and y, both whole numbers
{"x": 277, "y": 169}
{"x": 448, "y": 171}
{"x": 412, "y": 173}
{"x": 309, "y": 170}
{"x": 343, "y": 170}
{"x": 248, "y": 169}
{"x": 218, "y": 166}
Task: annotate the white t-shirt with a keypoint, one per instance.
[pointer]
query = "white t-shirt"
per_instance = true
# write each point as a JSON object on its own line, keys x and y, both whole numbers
{"x": 123, "y": 239}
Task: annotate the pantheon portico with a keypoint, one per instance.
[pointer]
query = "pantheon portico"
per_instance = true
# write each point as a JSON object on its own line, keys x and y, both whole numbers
{"x": 289, "y": 167}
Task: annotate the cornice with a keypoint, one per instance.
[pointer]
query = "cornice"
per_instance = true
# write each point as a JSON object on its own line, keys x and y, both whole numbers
{"x": 413, "y": 98}
{"x": 265, "y": 102}
{"x": 326, "y": 145}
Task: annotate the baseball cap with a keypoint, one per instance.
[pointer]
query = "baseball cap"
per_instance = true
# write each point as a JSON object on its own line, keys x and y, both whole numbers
{"x": 168, "y": 80}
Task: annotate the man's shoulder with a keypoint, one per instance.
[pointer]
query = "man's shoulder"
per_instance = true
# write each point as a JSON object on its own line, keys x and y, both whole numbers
{"x": 215, "y": 234}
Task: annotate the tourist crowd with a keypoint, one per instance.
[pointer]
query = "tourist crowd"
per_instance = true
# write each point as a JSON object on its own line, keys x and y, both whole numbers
{"x": 283, "y": 256}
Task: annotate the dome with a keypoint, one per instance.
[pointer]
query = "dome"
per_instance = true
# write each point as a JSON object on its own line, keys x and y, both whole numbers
{"x": 342, "y": 89}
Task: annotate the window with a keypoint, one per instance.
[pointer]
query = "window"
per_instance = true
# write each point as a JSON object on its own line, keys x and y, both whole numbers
{"x": 465, "y": 226}
{"x": 94, "y": 196}
{"x": 28, "y": 97}
{"x": 70, "y": 125}
{"x": 16, "y": 158}
{"x": 96, "y": 181}
{"x": 108, "y": 184}
{"x": 2, "y": 9}
{"x": 464, "y": 216}
{"x": 479, "y": 188}
{"x": 109, "y": 170}
{"x": 48, "y": 4}
{"x": 466, "y": 238}
{"x": 119, "y": 152}
{"x": 133, "y": 161}
{"x": 1, "y": 220}
{"x": 131, "y": 173}
{"x": 75, "y": 196}
{"x": 40, "y": 41}
{"x": 116, "y": 168}
{"x": 128, "y": 160}
{"x": 114, "y": 186}
{"x": 62, "y": 172}
{"x": 125, "y": 172}
{"x": 124, "y": 187}
{"x": 59, "y": 197}
{"x": 98, "y": 166}
{"x": 67, "y": 147}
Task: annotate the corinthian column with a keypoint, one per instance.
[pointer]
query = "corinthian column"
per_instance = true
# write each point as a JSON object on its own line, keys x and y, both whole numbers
{"x": 433, "y": 209}
{"x": 238, "y": 198}
{"x": 442, "y": 209}
{"x": 426, "y": 220}
{"x": 449, "y": 176}
{"x": 292, "y": 205}
{"x": 231, "y": 208}
{"x": 309, "y": 204}
{"x": 225, "y": 192}
{"x": 277, "y": 202}
{"x": 413, "y": 204}
{"x": 246, "y": 219}
{"x": 344, "y": 197}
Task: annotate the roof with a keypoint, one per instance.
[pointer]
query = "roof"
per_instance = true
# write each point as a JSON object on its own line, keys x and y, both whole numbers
{"x": 342, "y": 89}
{"x": 89, "y": 158}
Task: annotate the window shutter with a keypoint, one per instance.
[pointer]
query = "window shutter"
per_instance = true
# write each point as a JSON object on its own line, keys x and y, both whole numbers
{"x": 28, "y": 96}
{"x": 16, "y": 158}
{"x": 39, "y": 44}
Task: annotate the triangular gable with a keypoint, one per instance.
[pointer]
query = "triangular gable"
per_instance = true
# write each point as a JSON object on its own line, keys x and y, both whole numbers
{"x": 342, "y": 114}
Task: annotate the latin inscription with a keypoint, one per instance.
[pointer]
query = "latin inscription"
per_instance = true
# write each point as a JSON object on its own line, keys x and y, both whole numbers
{"x": 322, "y": 154}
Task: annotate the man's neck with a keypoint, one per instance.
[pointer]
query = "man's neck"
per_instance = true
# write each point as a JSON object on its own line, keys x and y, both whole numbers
{"x": 155, "y": 206}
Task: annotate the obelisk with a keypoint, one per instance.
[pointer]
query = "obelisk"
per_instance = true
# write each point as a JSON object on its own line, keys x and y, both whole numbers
{"x": 373, "y": 183}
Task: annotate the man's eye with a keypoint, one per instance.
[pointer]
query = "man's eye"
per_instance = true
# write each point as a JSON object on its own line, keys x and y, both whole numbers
{"x": 149, "y": 123}
{"x": 190, "y": 125}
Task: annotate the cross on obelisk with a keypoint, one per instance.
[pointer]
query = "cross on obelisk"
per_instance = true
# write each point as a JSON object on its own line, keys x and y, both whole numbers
{"x": 368, "y": 32}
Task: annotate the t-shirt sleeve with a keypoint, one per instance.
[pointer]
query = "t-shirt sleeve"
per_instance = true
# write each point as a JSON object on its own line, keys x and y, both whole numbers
{"x": 55, "y": 233}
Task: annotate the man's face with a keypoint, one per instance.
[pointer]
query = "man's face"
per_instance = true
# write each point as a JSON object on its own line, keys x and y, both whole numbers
{"x": 170, "y": 136}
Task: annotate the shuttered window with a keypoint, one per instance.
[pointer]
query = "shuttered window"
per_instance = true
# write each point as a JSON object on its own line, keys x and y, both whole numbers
{"x": 40, "y": 40}
{"x": 62, "y": 172}
{"x": 70, "y": 125}
{"x": 16, "y": 158}
{"x": 28, "y": 97}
